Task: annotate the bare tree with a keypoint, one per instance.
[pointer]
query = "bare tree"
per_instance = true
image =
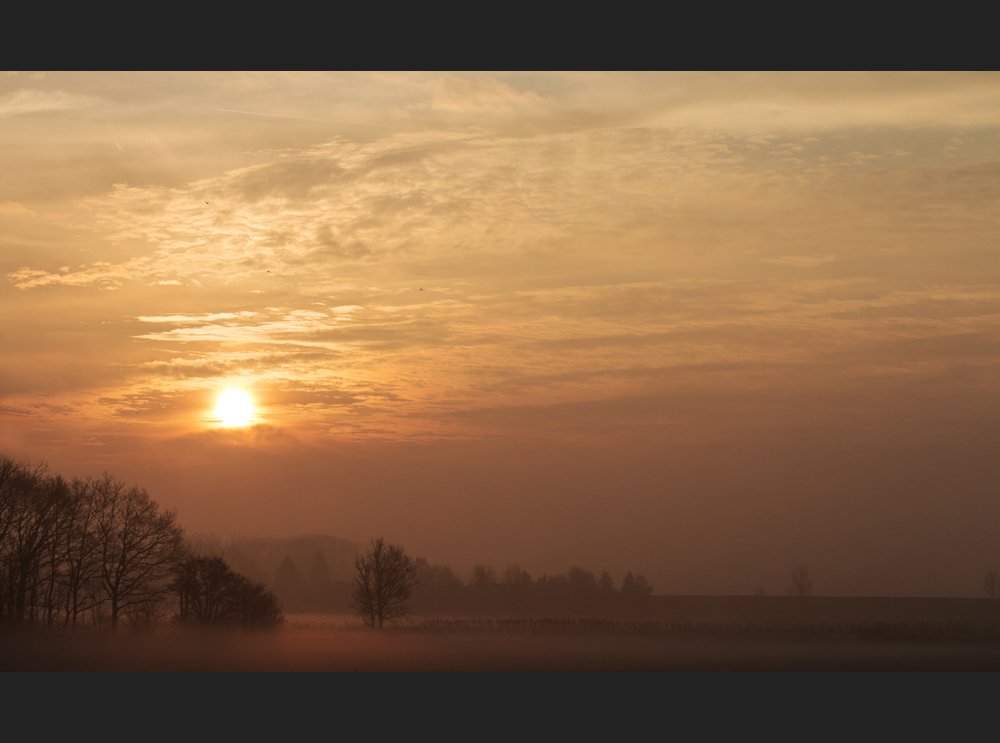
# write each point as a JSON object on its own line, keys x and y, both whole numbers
{"x": 138, "y": 546}
{"x": 68, "y": 548}
{"x": 385, "y": 577}
{"x": 991, "y": 585}
{"x": 32, "y": 508}
{"x": 802, "y": 584}
{"x": 202, "y": 585}
{"x": 81, "y": 565}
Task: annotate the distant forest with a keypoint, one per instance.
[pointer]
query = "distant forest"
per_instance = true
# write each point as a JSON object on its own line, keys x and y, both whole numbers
{"x": 314, "y": 575}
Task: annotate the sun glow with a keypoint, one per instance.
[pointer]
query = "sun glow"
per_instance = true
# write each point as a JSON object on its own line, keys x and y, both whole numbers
{"x": 235, "y": 408}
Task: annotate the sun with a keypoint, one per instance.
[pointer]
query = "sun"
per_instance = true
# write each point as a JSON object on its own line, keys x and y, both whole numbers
{"x": 235, "y": 408}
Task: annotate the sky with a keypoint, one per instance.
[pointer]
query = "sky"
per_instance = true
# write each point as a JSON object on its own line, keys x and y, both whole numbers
{"x": 704, "y": 327}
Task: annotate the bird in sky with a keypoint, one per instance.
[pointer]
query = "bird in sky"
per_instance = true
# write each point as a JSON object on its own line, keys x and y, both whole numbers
{"x": 420, "y": 290}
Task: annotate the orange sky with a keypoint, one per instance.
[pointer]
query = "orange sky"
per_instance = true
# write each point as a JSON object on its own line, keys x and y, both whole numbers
{"x": 705, "y": 327}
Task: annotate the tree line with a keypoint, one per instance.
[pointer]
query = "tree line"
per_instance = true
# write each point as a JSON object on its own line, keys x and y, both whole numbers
{"x": 390, "y": 584}
{"x": 310, "y": 574}
{"x": 577, "y": 592}
{"x": 307, "y": 585}
{"x": 97, "y": 551}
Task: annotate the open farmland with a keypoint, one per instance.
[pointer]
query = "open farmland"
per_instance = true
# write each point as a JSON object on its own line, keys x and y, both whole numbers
{"x": 327, "y": 643}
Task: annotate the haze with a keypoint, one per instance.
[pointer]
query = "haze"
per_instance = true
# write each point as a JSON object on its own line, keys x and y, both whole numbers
{"x": 703, "y": 327}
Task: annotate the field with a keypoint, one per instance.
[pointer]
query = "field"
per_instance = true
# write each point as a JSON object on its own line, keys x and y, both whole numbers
{"x": 325, "y": 643}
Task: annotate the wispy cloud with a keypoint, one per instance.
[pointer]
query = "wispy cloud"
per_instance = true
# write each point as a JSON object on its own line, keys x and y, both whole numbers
{"x": 802, "y": 261}
{"x": 445, "y": 265}
{"x": 184, "y": 319}
{"x": 14, "y": 207}
{"x": 32, "y": 101}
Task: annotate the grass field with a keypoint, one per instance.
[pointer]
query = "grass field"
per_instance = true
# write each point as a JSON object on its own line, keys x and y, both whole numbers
{"x": 325, "y": 643}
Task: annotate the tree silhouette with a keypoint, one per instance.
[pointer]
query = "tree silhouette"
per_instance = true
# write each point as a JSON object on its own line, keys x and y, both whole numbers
{"x": 801, "y": 583}
{"x": 89, "y": 546}
{"x": 138, "y": 546}
{"x": 635, "y": 588}
{"x": 483, "y": 578}
{"x": 644, "y": 587}
{"x": 385, "y": 576}
{"x": 438, "y": 589}
{"x": 253, "y": 605}
{"x": 33, "y": 507}
{"x": 606, "y": 584}
{"x": 78, "y": 551}
{"x": 203, "y": 586}
{"x": 991, "y": 585}
{"x": 514, "y": 576}
{"x": 628, "y": 584}
{"x": 211, "y": 594}
{"x": 67, "y": 548}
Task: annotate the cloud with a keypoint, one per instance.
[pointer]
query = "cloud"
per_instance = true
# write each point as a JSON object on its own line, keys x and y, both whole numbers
{"x": 482, "y": 94}
{"x": 590, "y": 260}
{"x": 30, "y": 101}
{"x": 102, "y": 275}
{"x": 14, "y": 207}
{"x": 756, "y": 103}
{"x": 331, "y": 212}
{"x": 801, "y": 261}
{"x": 184, "y": 319}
